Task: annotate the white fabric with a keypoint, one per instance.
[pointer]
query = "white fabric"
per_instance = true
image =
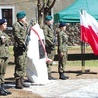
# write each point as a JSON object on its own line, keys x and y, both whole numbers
{"x": 88, "y": 20}
{"x": 89, "y": 30}
{"x": 36, "y": 68}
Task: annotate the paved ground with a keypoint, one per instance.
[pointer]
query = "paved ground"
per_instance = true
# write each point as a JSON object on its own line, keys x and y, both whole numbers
{"x": 82, "y": 86}
{"x": 78, "y": 88}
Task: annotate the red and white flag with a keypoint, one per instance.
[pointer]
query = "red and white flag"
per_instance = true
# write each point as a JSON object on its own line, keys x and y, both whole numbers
{"x": 89, "y": 30}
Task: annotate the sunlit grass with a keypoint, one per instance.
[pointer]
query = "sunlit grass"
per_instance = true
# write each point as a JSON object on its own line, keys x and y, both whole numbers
{"x": 77, "y": 49}
{"x": 90, "y": 63}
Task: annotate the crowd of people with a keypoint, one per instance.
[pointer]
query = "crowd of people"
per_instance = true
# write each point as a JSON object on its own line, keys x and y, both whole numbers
{"x": 73, "y": 32}
{"x": 20, "y": 49}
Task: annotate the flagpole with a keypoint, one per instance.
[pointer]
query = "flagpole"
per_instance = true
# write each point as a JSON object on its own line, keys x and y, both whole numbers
{"x": 83, "y": 56}
{"x": 82, "y": 51}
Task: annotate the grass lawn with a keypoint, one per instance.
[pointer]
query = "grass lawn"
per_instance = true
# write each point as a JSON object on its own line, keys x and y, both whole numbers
{"x": 71, "y": 49}
{"x": 90, "y": 63}
{"x": 77, "y": 50}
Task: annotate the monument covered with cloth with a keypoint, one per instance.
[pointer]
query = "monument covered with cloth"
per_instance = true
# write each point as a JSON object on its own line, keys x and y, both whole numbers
{"x": 36, "y": 57}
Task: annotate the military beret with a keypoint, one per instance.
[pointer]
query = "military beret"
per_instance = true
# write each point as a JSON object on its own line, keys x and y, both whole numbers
{"x": 21, "y": 14}
{"x": 49, "y": 17}
{"x": 62, "y": 24}
{"x": 2, "y": 21}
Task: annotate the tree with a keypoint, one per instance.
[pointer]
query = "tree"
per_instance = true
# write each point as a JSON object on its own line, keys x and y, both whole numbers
{"x": 40, "y": 12}
{"x": 44, "y": 8}
{"x": 48, "y": 7}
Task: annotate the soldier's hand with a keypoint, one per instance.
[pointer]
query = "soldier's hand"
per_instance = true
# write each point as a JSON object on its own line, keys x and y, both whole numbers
{"x": 24, "y": 47}
{"x": 3, "y": 39}
{"x": 61, "y": 54}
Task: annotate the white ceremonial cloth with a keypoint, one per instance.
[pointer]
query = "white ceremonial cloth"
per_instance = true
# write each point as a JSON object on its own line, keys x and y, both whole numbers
{"x": 36, "y": 70}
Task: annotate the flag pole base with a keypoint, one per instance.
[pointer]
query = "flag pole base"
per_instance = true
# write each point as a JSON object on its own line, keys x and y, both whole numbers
{"x": 83, "y": 68}
{"x": 87, "y": 71}
{"x": 81, "y": 72}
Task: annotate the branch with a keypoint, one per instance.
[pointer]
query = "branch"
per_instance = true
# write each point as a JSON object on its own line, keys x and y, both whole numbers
{"x": 50, "y": 7}
{"x": 42, "y": 6}
{"x": 39, "y": 6}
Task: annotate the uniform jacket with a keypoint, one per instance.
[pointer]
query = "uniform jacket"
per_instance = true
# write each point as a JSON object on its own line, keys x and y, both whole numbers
{"x": 49, "y": 35}
{"x": 4, "y": 46}
{"x": 62, "y": 41}
{"x": 19, "y": 32}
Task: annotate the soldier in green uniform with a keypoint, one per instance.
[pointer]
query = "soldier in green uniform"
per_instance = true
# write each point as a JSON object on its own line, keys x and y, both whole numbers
{"x": 20, "y": 51}
{"x": 62, "y": 50}
{"x": 4, "y": 55}
{"x": 49, "y": 40}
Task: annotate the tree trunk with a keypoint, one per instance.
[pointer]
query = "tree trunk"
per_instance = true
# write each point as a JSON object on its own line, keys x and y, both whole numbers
{"x": 40, "y": 13}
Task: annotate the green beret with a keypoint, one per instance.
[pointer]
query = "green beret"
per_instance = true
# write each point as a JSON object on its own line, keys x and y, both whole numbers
{"x": 21, "y": 14}
{"x": 49, "y": 17}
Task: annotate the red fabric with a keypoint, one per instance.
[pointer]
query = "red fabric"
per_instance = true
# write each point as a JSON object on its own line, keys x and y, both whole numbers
{"x": 89, "y": 33}
{"x": 89, "y": 36}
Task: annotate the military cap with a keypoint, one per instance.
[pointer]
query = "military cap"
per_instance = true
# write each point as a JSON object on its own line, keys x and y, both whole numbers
{"x": 49, "y": 17}
{"x": 21, "y": 14}
{"x": 2, "y": 21}
{"x": 62, "y": 24}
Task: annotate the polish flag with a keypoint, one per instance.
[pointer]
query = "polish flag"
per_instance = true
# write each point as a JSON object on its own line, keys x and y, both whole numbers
{"x": 89, "y": 30}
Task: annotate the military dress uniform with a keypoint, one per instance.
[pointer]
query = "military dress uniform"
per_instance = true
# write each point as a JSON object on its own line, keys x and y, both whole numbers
{"x": 4, "y": 56}
{"x": 49, "y": 43}
{"x": 20, "y": 51}
{"x": 62, "y": 48}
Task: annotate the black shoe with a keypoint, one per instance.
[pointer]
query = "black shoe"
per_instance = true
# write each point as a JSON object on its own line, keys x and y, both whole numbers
{"x": 50, "y": 77}
{"x": 63, "y": 77}
{"x": 2, "y": 86}
{"x": 7, "y": 91}
{"x": 18, "y": 84}
{"x": 24, "y": 84}
{"x": 18, "y": 87}
{"x": 2, "y": 93}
